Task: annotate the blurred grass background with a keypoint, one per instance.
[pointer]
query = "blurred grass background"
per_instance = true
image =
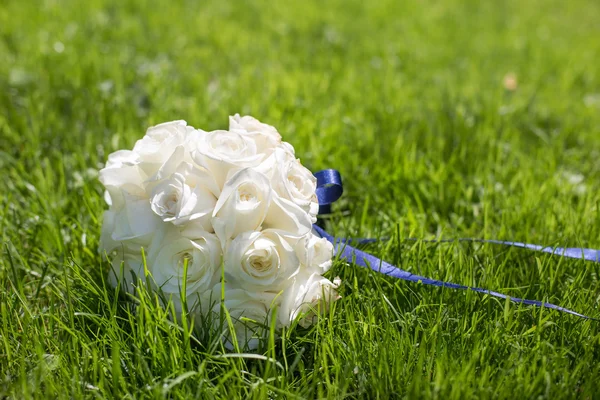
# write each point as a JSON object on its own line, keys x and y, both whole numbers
{"x": 446, "y": 119}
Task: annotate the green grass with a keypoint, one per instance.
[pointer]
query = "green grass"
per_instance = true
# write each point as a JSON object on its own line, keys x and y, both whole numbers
{"x": 406, "y": 99}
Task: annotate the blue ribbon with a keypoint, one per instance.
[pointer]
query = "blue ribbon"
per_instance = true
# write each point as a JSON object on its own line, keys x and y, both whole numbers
{"x": 329, "y": 189}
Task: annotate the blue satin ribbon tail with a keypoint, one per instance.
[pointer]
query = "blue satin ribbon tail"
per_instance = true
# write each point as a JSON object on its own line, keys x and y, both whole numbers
{"x": 364, "y": 259}
{"x": 329, "y": 189}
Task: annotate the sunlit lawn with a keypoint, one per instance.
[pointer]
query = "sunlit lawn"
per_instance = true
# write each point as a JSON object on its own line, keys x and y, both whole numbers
{"x": 446, "y": 119}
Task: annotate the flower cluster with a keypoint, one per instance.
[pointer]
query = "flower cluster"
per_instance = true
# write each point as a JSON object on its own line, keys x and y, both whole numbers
{"x": 227, "y": 211}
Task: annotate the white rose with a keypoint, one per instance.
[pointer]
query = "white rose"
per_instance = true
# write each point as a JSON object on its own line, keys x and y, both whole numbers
{"x": 265, "y": 136}
{"x": 159, "y": 143}
{"x": 263, "y": 261}
{"x": 168, "y": 168}
{"x": 132, "y": 227}
{"x": 292, "y": 181}
{"x": 126, "y": 269}
{"x": 316, "y": 253}
{"x": 169, "y": 255}
{"x": 190, "y": 194}
{"x": 225, "y": 152}
{"x": 300, "y": 186}
{"x": 286, "y": 217}
{"x": 307, "y": 298}
{"x": 122, "y": 175}
{"x": 251, "y": 124}
{"x": 249, "y": 313}
{"x": 107, "y": 243}
{"x": 247, "y": 203}
{"x": 287, "y": 147}
{"x": 243, "y": 204}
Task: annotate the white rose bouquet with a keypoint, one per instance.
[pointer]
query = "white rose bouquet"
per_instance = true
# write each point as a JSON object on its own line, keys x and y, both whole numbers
{"x": 218, "y": 212}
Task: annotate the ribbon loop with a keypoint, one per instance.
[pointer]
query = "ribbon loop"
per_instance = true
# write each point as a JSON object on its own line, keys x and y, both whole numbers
{"x": 329, "y": 189}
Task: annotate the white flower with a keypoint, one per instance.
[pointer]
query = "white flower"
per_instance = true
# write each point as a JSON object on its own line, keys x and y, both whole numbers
{"x": 294, "y": 182}
{"x": 243, "y": 204}
{"x": 170, "y": 254}
{"x": 225, "y": 152}
{"x": 122, "y": 175}
{"x": 261, "y": 261}
{"x": 249, "y": 312}
{"x": 127, "y": 268}
{"x": 247, "y": 202}
{"x": 190, "y": 194}
{"x": 287, "y": 217}
{"x": 107, "y": 243}
{"x": 300, "y": 186}
{"x": 264, "y": 136}
{"x": 159, "y": 143}
{"x": 228, "y": 216}
{"x": 168, "y": 168}
{"x": 307, "y": 298}
{"x": 316, "y": 253}
{"x": 132, "y": 227}
{"x": 252, "y": 125}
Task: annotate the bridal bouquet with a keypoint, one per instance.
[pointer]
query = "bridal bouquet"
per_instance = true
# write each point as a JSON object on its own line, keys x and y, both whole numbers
{"x": 225, "y": 219}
